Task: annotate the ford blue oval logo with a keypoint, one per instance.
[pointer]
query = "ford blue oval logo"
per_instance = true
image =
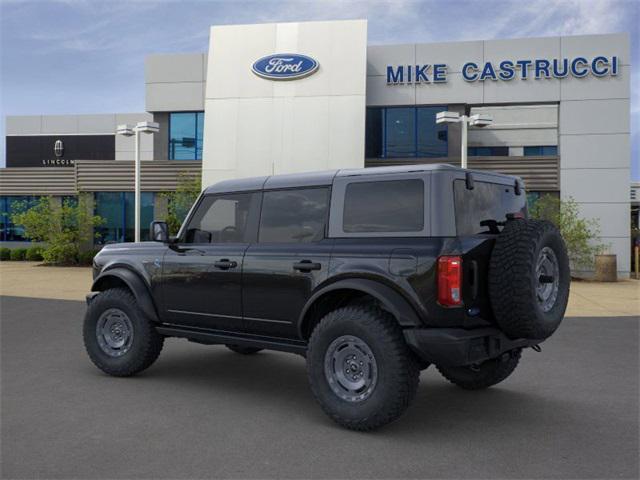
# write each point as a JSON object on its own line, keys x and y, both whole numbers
{"x": 284, "y": 66}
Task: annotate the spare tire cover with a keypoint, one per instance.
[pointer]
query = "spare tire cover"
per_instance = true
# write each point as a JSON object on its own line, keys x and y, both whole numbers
{"x": 529, "y": 279}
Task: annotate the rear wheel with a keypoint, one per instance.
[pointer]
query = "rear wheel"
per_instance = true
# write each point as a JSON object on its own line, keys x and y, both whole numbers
{"x": 360, "y": 369}
{"x": 119, "y": 339}
{"x": 242, "y": 349}
{"x": 487, "y": 374}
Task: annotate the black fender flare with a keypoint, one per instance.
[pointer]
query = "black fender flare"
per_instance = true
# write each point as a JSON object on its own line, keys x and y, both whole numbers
{"x": 137, "y": 286}
{"x": 391, "y": 300}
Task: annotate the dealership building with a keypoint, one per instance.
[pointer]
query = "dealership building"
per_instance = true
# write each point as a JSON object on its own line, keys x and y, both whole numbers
{"x": 292, "y": 97}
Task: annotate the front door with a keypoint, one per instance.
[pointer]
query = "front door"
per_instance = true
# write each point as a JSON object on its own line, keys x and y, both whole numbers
{"x": 202, "y": 272}
{"x": 289, "y": 260}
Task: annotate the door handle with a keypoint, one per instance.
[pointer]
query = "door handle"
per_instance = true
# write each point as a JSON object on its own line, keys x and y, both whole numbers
{"x": 306, "y": 266}
{"x": 225, "y": 264}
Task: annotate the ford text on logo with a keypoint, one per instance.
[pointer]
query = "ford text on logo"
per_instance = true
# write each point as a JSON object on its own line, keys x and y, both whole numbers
{"x": 285, "y": 66}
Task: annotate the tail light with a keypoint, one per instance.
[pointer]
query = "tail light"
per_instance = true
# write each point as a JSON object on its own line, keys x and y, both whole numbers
{"x": 450, "y": 281}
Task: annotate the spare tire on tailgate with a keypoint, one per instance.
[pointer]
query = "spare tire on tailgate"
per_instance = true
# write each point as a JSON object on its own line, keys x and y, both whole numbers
{"x": 529, "y": 279}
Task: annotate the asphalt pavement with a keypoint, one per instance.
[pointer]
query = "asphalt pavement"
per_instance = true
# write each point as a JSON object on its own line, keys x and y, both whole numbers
{"x": 206, "y": 412}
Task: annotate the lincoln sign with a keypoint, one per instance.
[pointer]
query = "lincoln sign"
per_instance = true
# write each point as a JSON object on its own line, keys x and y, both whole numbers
{"x": 506, "y": 70}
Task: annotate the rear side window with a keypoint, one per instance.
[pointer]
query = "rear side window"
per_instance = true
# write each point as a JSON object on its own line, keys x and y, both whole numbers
{"x": 294, "y": 216}
{"x": 487, "y": 201}
{"x": 384, "y": 206}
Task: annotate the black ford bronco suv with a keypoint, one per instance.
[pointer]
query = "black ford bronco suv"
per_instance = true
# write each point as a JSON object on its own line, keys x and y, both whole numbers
{"x": 371, "y": 274}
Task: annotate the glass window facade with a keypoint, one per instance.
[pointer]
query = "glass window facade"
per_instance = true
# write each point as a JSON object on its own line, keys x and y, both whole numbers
{"x": 401, "y": 132}
{"x": 117, "y": 209}
{"x": 185, "y": 135}
{"x": 488, "y": 151}
{"x": 541, "y": 151}
{"x": 10, "y": 232}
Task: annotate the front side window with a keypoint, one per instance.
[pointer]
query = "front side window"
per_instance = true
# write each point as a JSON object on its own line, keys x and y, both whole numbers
{"x": 185, "y": 135}
{"x": 294, "y": 216}
{"x": 384, "y": 206}
{"x": 221, "y": 219}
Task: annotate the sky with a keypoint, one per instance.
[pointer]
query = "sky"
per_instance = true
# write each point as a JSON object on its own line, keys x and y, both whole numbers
{"x": 87, "y": 56}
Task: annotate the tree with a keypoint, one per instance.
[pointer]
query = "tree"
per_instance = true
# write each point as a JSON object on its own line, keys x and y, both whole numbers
{"x": 179, "y": 202}
{"x": 64, "y": 228}
{"x": 582, "y": 236}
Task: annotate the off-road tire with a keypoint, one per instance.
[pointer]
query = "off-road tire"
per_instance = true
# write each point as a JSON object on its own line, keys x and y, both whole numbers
{"x": 397, "y": 369}
{"x": 513, "y": 280}
{"x": 243, "y": 350}
{"x": 146, "y": 342}
{"x": 484, "y": 375}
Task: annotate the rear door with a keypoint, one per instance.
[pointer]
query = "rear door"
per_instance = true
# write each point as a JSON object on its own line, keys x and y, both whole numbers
{"x": 202, "y": 273}
{"x": 289, "y": 260}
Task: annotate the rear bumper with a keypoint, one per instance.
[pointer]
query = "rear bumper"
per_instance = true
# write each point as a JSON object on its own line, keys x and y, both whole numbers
{"x": 457, "y": 346}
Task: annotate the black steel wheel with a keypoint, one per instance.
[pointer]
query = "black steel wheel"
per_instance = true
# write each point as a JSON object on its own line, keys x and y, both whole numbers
{"x": 360, "y": 369}
{"x": 119, "y": 339}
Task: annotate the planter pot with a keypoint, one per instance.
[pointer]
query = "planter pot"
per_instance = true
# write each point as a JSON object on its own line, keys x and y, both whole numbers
{"x": 606, "y": 268}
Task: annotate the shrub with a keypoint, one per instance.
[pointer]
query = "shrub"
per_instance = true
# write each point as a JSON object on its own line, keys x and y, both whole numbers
{"x": 18, "y": 253}
{"x": 86, "y": 258}
{"x": 179, "y": 202}
{"x": 580, "y": 235}
{"x": 5, "y": 253}
{"x": 34, "y": 254}
{"x": 64, "y": 228}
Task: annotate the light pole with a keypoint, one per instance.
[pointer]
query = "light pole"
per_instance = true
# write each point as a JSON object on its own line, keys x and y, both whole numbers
{"x": 477, "y": 120}
{"x": 128, "y": 131}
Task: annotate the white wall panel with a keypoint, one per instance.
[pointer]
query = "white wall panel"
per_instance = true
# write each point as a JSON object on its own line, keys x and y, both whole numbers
{"x": 255, "y": 126}
{"x": 455, "y": 90}
{"x": 593, "y": 88}
{"x": 595, "y": 151}
{"x": 453, "y": 54}
{"x": 23, "y": 125}
{"x": 596, "y": 185}
{"x": 593, "y": 45}
{"x": 175, "y": 97}
{"x": 612, "y": 217}
{"x": 594, "y": 117}
{"x": 380, "y": 56}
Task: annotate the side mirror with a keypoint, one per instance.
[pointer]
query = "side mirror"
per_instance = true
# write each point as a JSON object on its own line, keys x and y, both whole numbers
{"x": 159, "y": 232}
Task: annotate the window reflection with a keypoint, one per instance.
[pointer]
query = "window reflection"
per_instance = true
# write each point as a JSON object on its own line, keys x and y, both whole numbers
{"x": 397, "y": 132}
{"x": 117, "y": 209}
{"x": 185, "y": 135}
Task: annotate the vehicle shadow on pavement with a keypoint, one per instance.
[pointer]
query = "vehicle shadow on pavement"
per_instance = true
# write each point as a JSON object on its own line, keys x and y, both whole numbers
{"x": 280, "y": 380}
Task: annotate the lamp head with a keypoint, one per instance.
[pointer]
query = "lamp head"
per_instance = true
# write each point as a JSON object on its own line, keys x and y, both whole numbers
{"x": 447, "y": 117}
{"x": 124, "y": 129}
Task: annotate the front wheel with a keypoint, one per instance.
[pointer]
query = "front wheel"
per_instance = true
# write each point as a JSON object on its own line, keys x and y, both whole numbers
{"x": 485, "y": 375}
{"x": 360, "y": 369}
{"x": 119, "y": 339}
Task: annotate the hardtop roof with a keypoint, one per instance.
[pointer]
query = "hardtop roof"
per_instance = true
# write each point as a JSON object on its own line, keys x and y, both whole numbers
{"x": 326, "y": 177}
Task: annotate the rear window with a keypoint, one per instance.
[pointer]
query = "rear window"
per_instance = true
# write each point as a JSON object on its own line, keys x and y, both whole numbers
{"x": 487, "y": 201}
{"x": 384, "y": 206}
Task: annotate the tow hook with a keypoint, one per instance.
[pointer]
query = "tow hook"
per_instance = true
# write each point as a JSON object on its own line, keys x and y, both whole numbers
{"x": 536, "y": 348}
